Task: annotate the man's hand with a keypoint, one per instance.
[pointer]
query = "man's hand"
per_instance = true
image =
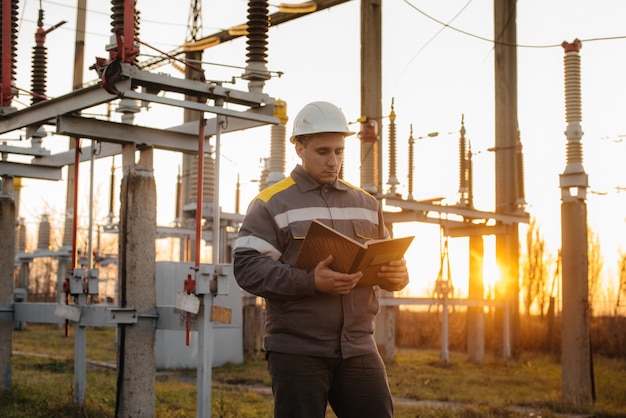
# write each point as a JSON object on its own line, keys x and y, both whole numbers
{"x": 331, "y": 281}
{"x": 395, "y": 276}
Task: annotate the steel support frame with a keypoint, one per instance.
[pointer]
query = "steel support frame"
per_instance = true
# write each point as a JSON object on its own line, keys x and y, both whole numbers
{"x": 35, "y": 171}
{"x": 456, "y": 221}
{"x": 62, "y": 112}
{"x": 135, "y": 84}
{"x": 46, "y": 112}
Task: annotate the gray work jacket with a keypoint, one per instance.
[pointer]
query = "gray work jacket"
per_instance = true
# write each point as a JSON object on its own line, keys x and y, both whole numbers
{"x": 299, "y": 320}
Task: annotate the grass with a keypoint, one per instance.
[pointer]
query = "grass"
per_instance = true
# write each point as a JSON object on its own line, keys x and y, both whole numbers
{"x": 423, "y": 385}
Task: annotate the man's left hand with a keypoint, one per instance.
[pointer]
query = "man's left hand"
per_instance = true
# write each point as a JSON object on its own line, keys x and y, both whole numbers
{"x": 395, "y": 276}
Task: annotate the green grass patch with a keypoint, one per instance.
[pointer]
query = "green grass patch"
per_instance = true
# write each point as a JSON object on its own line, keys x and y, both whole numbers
{"x": 422, "y": 384}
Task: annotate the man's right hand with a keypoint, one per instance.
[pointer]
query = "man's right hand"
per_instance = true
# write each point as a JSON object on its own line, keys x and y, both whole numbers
{"x": 331, "y": 281}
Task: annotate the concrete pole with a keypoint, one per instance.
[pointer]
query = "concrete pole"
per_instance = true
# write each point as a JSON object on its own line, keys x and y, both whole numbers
{"x": 371, "y": 157}
{"x": 371, "y": 91}
{"x": 136, "y": 357}
{"x": 7, "y": 255}
{"x": 505, "y": 73}
{"x": 576, "y": 360}
{"x": 476, "y": 291}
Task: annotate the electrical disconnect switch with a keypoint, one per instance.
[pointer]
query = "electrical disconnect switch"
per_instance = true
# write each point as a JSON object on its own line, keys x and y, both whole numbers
{"x": 225, "y": 272}
{"x": 77, "y": 281}
{"x": 92, "y": 281}
{"x": 219, "y": 278}
{"x": 213, "y": 278}
{"x": 205, "y": 283}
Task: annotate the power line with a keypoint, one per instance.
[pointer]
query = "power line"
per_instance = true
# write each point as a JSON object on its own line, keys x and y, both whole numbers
{"x": 482, "y": 38}
{"x": 428, "y": 42}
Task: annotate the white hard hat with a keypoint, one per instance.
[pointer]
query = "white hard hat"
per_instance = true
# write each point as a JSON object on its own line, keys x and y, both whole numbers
{"x": 317, "y": 117}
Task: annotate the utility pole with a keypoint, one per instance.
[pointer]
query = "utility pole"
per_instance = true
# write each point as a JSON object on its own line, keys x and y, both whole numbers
{"x": 507, "y": 244}
{"x": 371, "y": 156}
{"x": 576, "y": 356}
{"x": 8, "y": 212}
{"x": 371, "y": 93}
{"x": 7, "y": 257}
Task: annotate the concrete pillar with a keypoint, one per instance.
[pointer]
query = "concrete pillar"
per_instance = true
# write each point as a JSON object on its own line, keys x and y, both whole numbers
{"x": 371, "y": 92}
{"x": 385, "y": 327}
{"x": 506, "y": 128}
{"x": 7, "y": 255}
{"x": 385, "y": 323}
{"x": 476, "y": 291}
{"x": 137, "y": 270}
{"x": 576, "y": 356}
{"x": 371, "y": 155}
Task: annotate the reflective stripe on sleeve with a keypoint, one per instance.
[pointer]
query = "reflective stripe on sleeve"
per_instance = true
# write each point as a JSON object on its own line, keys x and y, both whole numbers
{"x": 258, "y": 244}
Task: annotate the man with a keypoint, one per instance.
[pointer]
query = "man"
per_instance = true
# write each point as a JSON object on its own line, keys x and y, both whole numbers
{"x": 319, "y": 346}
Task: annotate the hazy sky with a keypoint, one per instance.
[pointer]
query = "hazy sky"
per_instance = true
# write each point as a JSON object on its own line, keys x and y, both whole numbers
{"x": 434, "y": 73}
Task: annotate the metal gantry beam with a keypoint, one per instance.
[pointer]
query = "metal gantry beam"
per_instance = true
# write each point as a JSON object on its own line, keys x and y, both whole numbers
{"x": 35, "y": 171}
{"x": 456, "y": 221}
{"x": 257, "y": 109}
{"x": 117, "y": 133}
{"x": 46, "y": 112}
{"x": 131, "y": 78}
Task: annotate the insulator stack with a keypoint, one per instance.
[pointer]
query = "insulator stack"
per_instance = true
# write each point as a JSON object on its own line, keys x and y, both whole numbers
{"x": 117, "y": 17}
{"x": 573, "y": 102}
{"x": 44, "y": 242}
{"x": 573, "y": 181}
{"x": 411, "y": 166}
{"x": 118, "y": 25}
{"x": 136, "y": 22}
{"x": 463, "y": 166}
{"x": 462, "y": 157}
{"x": 573, "y": 97}
{"x": 8, "y": 52}
{"x": 470, "y": 177}
{"x": 40, "y": 63}
{"x": 14, "y": 17}
{"x": 277, "y": 161}
{"x": 258, "y": 25}
{"x": 208, "y": 181}
{"x": 574, "y": 152}
{"x": 393, "y": 179}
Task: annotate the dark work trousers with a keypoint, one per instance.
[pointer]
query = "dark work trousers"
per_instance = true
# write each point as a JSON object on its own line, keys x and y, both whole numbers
{"x": 356, "y": 387}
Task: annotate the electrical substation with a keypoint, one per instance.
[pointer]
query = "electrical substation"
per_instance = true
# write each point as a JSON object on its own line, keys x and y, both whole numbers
{"x": 193, "y": 313}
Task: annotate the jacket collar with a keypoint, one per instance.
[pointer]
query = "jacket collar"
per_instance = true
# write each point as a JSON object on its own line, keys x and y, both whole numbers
{"x": 307, "y": 183}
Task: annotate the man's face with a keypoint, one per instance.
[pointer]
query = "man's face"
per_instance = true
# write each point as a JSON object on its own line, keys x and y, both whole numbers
{"x": 322, "y": 155}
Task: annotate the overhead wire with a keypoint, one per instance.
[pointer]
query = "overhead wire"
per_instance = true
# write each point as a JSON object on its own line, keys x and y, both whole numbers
{"x": 107, "y": 14}
{"x": 482, "y": 38}
{"x": 444, "y": 26}
{"x": 494, "y": 42}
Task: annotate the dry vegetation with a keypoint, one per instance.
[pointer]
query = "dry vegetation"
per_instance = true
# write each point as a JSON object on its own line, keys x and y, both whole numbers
{"x": 422, "y": 330}
{"x": 423, "y": 385}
